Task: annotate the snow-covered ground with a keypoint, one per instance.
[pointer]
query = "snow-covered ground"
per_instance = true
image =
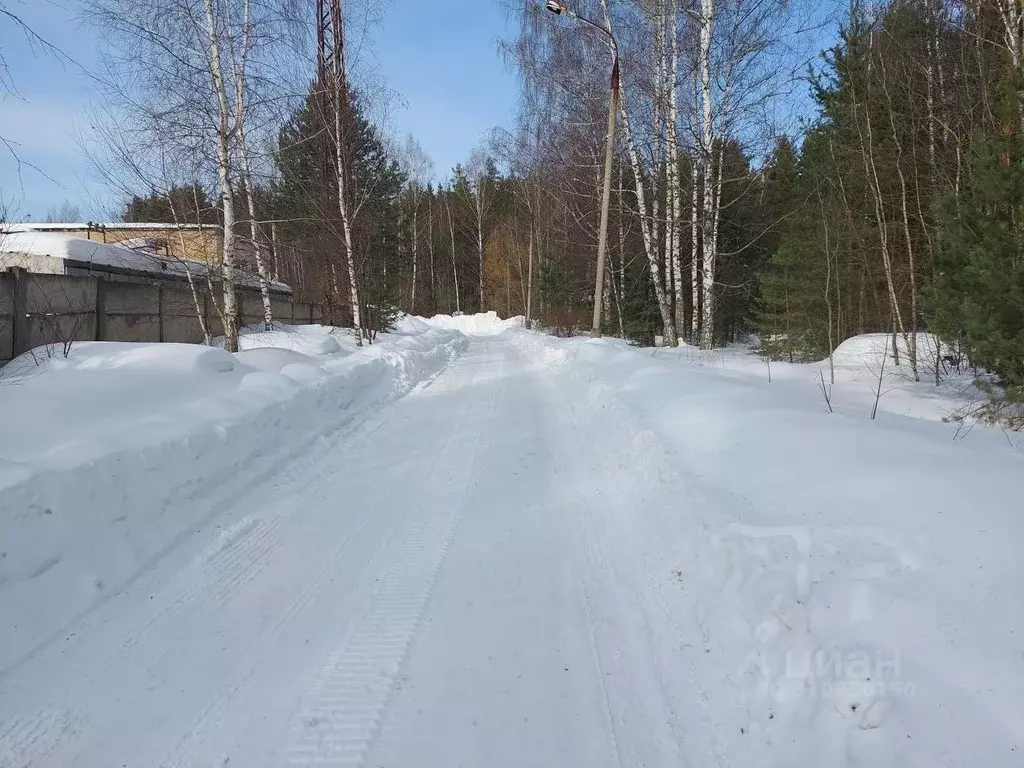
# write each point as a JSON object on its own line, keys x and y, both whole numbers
{"x": 857, "y": 366}
{"x": 111, "y": 455}
{"x": 500, "y": 550}
{"x": 846, "y": 592}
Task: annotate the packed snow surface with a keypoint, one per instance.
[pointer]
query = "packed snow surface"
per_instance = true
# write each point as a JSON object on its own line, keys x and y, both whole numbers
{"x": 500, "y": 550}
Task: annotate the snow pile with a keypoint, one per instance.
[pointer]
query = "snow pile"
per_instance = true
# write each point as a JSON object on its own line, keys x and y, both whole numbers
{"x": 313, "y": 340}
{"x": 110, "y": 454}
{"x": 293, "y": 365}
{"x": 480, "y": 324}
{"x": 857, "y": 365}
{"x": 869, "y": 350}
{"x": 838, "y": 591}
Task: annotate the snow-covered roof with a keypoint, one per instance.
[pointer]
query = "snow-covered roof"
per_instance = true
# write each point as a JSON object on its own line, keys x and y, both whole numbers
{"x": 49, "y": 252}
{"x": 77, "y": 225}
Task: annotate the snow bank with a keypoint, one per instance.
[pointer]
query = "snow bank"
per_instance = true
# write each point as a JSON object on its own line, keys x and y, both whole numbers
{"x": 109, "y": 455}
{"x": 411, "y": 325}
{"x": 871, "y": 348}
{"x": 314, "y": 340}
{"x": 844, "y": 592}
{"x": 857, "y": 366}
{"x": 481, "y": 324}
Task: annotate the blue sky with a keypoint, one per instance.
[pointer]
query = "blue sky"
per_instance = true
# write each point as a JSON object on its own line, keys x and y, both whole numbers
{"x": 439, "y": 55}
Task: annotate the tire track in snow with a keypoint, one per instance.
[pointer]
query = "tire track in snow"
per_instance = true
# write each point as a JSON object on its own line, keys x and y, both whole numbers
{"x": 650, "y": 599}
{"x": 184, "y": 753}
{"x": 226, "y": 568}
{"x": 609, "y": 718}
{"x": 643, "y": 723}
{"x": 219, "y": 575}
{"x": 28, "y": 741}
{"x": 339, "y": 722}
{"x": 231, "y": 565}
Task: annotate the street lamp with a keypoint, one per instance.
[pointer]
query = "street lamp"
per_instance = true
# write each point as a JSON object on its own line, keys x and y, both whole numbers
{"x": 559, "y": 8}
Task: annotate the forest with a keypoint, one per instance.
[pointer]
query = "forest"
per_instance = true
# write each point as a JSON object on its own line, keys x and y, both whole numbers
{"x": 793, "y": 173}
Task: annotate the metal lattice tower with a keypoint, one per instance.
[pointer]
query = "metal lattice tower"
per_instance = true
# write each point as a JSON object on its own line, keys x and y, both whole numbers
{"x": 330, "y": 62}
{"x": 330, "y": 41}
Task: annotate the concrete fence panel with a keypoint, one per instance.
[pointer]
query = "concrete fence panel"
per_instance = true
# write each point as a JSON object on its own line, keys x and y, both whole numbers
{"x": 132, "y": 312}
{"x": 6, "y": 316}
{"x": 58, "y": 310}
{"x": 180, "y": 322}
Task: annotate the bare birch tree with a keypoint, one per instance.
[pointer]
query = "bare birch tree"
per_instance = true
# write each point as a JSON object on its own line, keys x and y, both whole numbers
{"x": 417, "y": 166}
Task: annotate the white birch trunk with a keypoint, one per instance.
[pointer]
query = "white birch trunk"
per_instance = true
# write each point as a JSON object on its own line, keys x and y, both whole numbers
{"x": 227, "y": 196}
{"x": 1011, "y": 12}
{"x": 430, "y": 250}
{"x": 650, "y": 246}
{"x": 261, "y": 260}
{"x": 254, "y": 235}
{"x": 455, "y": 267}
{"x": 239, "y": 71}
{"x": 874, "y": 184}
{"x": 694, "y": 246}
{"x": 709, "y": 243}
{"x": 480, "y": 236}
{"x": 415, "y": 249}
{"x": 658, "y": 133}
{"x": 340, "y": 95}
{"x": 197, "y": 305}
{"x": 672, "y": 235}
{"x": 274, "y": 257}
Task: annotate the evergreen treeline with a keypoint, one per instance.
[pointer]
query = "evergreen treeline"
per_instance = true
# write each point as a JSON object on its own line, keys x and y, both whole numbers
{"x": 897, "y": 209}
{"x": 907, "y": 197}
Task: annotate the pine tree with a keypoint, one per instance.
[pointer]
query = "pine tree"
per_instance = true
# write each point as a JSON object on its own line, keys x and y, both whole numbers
{"x": 980, "y": 294}
{"x": 791, "y": 315}
{"x": 187, "y": 204}
{"x": 305, "y": 195}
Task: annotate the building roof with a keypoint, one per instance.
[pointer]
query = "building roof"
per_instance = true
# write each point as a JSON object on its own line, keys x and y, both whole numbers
{"x": 53, "y": 253}
{"x": 82, "y": 225}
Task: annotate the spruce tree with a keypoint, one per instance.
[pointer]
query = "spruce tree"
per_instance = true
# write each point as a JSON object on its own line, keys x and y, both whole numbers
{"x": 979, "y": 299}
{"x": 305, "y": 196}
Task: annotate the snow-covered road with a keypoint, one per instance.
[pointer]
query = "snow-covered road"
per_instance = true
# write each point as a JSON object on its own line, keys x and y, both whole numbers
{"x": 440, "y": 586}
{"x": 511, "y": 550}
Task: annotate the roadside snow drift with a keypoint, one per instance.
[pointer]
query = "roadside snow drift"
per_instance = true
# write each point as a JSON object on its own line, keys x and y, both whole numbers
{"x": 482, "y": 324}
{"x": 863, "y": 367}
{"x": 844, "y": 592}
{"x": 111, "y": 453}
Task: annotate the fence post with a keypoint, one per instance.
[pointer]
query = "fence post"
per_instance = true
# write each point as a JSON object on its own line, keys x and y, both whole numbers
{"x": 160, "y": 311}
{"x": 7, "y": 286}
{"x": 311, "y": 313}
{"x": 101, "y": 309}
{"x": 19, "y": 311}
